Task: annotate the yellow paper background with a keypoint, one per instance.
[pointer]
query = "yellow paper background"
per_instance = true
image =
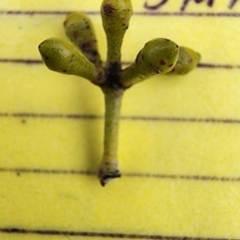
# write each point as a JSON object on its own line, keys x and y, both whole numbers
{"x": 179, "y": 143}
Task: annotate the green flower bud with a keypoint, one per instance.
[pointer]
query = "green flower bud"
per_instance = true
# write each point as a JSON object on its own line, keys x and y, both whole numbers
{"x": 79, "y": 29}
{"x": 61, "y": 56}
{"x": 187, "y": 60}
{"x": 115, "y": 16}
{"x": 157, "y": 57}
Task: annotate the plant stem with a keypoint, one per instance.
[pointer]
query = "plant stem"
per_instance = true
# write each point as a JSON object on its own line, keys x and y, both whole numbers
{"x": 109, "y": 165}
{"x": 113, "y": 53}
{"x": 132, "y": 75}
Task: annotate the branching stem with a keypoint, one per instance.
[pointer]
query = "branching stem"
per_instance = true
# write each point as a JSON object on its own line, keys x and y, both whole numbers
{"x": 158, "y": 56}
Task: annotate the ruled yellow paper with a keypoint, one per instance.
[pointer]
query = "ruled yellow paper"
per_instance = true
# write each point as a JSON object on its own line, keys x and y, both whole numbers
{"x": 179, "y": 144}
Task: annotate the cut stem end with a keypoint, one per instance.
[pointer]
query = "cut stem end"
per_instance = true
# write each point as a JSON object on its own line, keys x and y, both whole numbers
{"x": 108, "y": 172}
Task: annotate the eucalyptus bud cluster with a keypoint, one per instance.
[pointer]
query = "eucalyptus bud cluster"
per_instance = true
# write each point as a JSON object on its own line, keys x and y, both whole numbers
{"x": 80, "y": 56}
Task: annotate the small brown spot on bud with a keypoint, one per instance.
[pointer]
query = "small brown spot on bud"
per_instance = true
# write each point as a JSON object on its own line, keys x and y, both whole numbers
{"x": 75, "y": 33}
{"x": 108, "y": 9}
{"x": 85, "y": 46}
{"x": 125, "y": 26}
{"x": 162, "y": 62}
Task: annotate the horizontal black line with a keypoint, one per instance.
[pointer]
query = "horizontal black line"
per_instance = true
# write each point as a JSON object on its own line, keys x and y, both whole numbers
{"x": 182, "y": 119}
{"x": 50, "y": 115}
{"x": 47, "y": 12}
{"x": 101, "y": 234}
{"x": 129, "y": 118}
{"x": 21, "y": 61}
{"x": 46, "y": 171}
{"x": 142, "y": 13}
{"x": 39, "y": 61}
{"x": 184, "y": 177}
{"x": 223, "y": 66}
{"x": 20, "y": 171}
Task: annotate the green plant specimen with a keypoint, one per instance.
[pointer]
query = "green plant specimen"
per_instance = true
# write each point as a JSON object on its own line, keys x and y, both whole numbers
{"x": 80, "y": 57}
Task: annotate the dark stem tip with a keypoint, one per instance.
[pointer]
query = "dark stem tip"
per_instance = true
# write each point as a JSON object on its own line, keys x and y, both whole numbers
{"x": 106, "y": 177}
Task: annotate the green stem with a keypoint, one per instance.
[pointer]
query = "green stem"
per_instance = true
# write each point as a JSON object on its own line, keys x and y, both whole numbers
{"x": 114, "y": 45}
{"x": 132, "y": 75}
{"x": 109, "y": 165}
